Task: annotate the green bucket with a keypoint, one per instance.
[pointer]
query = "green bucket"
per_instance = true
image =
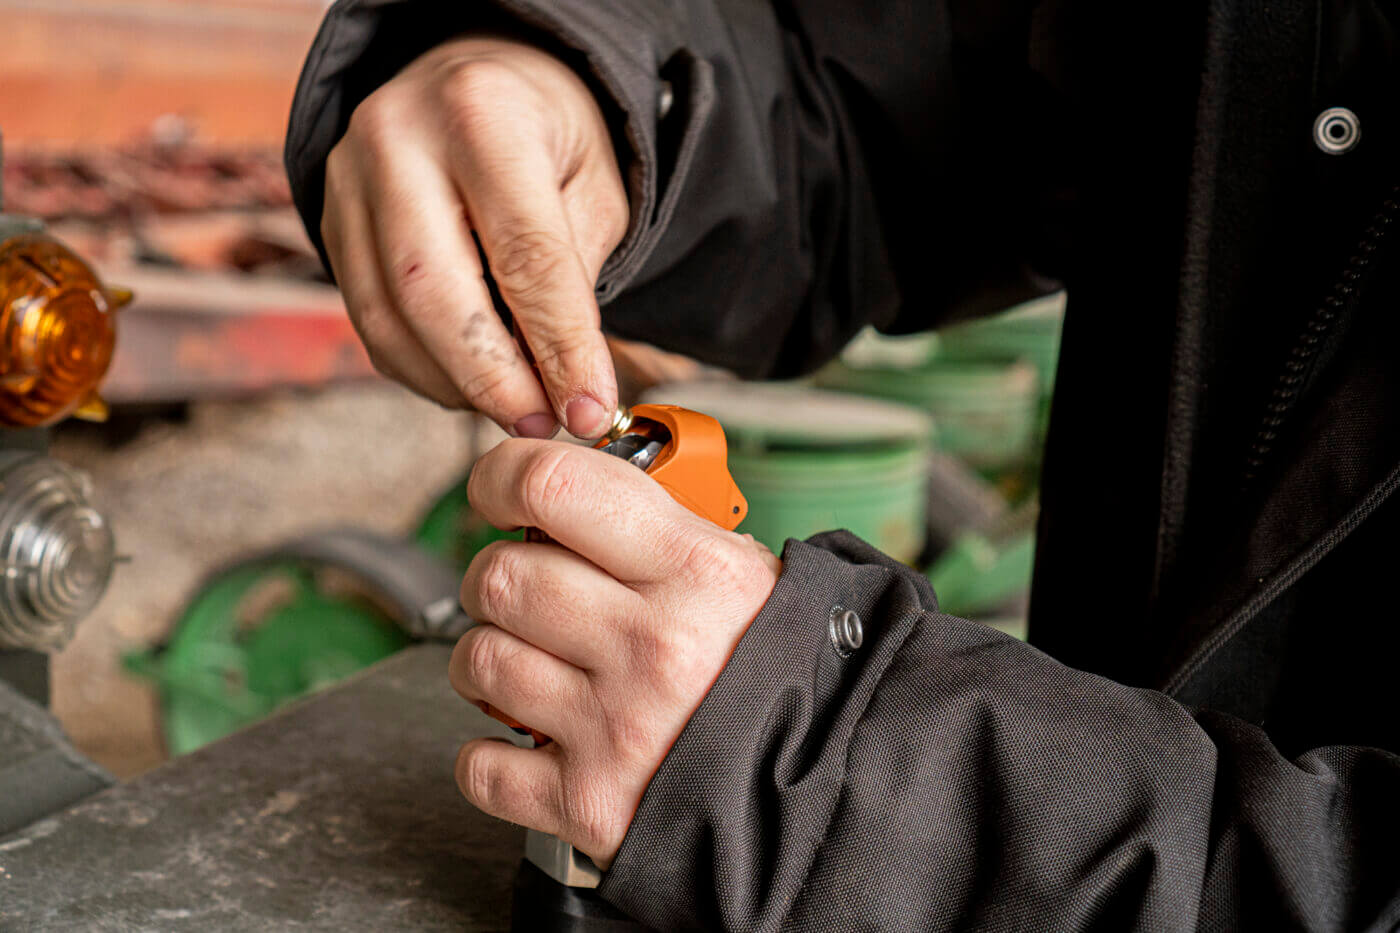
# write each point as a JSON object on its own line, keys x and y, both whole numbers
{"x": 986, "y": 411}
{"x": 986, "y": 382}
{"x": 811, "y": 461}
{"x": 1030, "y": 331}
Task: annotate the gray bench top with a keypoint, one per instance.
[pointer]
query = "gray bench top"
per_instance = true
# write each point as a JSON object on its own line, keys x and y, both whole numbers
{"x": 339, "y": 813}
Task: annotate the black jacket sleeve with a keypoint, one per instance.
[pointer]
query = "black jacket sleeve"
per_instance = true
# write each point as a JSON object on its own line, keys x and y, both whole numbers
{"x": 796, "y": 170}
{"x": 944, "y": 776}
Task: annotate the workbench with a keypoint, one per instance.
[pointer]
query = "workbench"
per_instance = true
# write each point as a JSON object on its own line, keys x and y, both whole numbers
{"x": 338, "y": 813}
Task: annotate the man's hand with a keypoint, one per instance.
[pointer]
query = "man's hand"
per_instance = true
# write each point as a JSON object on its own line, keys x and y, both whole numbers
{"x": 606, "y": 641}
{"x": 495, "y": 138}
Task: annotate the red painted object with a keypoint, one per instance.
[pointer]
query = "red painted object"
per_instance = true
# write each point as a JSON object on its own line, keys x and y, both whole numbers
{"x": 190, "y": 336}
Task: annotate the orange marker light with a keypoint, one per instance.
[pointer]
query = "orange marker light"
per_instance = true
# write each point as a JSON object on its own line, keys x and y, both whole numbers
{"x": 56, "y": 333}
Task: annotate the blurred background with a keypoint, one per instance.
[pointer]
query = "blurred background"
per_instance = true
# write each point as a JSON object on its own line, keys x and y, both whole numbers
{"x": 147, "y": 135}
{"x": 247, "y": 445}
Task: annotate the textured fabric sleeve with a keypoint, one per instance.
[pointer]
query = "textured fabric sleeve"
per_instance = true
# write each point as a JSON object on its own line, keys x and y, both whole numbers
{"x": 944, "y": 776}
{"x": 795, "y": 170}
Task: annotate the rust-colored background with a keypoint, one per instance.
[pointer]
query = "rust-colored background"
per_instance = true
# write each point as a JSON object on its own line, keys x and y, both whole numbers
{"x": 103, "y": 71}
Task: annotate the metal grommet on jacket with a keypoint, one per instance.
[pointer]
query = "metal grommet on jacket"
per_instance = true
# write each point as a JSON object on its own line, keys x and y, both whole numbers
{"x": 665, "y": 100}
{"x": 845, "y": 630}
{"x": 1336, "y": 130}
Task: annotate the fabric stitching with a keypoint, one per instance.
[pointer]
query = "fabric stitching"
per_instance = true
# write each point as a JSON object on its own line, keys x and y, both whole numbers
{"x": 887, "y": 576}
{"x": 1282, "y": 579}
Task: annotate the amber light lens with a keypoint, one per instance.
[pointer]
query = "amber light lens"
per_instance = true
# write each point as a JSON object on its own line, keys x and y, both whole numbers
{"x": 56, "y": 333}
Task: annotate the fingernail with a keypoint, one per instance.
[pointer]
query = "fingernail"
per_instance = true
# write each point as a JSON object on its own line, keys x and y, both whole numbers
{"x": 586, "y": 417}
{"x": 541, "y": 424}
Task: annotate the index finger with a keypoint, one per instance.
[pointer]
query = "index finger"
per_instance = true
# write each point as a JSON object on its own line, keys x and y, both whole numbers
{"x": 517, "y": 209}
{"x": 433, "y": 272}
{"x": 596, "y": 505}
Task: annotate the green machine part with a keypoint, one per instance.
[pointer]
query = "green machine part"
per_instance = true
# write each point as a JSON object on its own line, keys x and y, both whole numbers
{"x": 289, "y": 621}
{"x": 985, "y": 570}
{"x": 454, "y": 532}
{"x": 219, "y": 673}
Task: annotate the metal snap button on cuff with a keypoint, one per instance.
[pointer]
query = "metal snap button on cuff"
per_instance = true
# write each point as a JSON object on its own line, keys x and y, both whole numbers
{"x": 664, "y": 100}
{"x": 845, "y": 630}
{"x": 1336, "y": 130}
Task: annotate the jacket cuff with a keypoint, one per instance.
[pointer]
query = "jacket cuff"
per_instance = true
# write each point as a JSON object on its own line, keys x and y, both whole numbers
{"x": 657, "y": 95}
{"x": 762, "y": 741}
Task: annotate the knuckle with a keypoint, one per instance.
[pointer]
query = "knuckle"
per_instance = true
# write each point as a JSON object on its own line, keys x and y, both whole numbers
{"x": 485, "y": 657}
{"x": 375, "y": 122}
{"x": 550, "y": 477}
{"x": 488, "y": 388}
{"x": 557, "y": 349}
{"x": 528, "y": 260}
{"x": 478, "y": 94}
{"x": 372, "y": 322}
{"x": 478, "y": 775}
{"x": 477, "y": 476}
{"x": 655, "y": 648}
{"x": 378, "y": 333}
{"x": 632, "y": 739}
{"x": 338, "y": 169}
{"x": 488, "y": 465}
{"x": 617, "y": 218}
{"x": 500, "y": 580}
{"x": 592, "y": 815}
{"x": 710, "y": 558}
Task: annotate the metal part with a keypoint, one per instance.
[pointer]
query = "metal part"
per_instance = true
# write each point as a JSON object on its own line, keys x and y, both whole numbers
{"x": 40, "y": 771}
{"x": 443, "y": 619}
{"x": 56, "y": 551}
{"x": 561, "y": 861}
{"x": 636, "y": 449}
{"x": 622, "y": 420}
{"x": 28, "y": 673}
{"x": 12, "y": 225}
{"x": 847, "y": 633}
{"x": 665, "y": 100}
{"x": 646, "y": 456}
{"x": 539, "y": 904}
{"x": 1337, "y": 131}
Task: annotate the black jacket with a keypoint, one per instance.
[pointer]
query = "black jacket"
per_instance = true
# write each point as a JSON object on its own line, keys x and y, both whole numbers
{"x": 1207, "y": 735}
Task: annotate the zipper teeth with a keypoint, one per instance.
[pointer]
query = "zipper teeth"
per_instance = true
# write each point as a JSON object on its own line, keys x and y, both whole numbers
{"x": 1296, "y": 367}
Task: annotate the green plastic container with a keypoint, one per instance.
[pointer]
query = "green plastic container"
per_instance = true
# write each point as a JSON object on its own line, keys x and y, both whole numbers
{"x": 811, "y": 461}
